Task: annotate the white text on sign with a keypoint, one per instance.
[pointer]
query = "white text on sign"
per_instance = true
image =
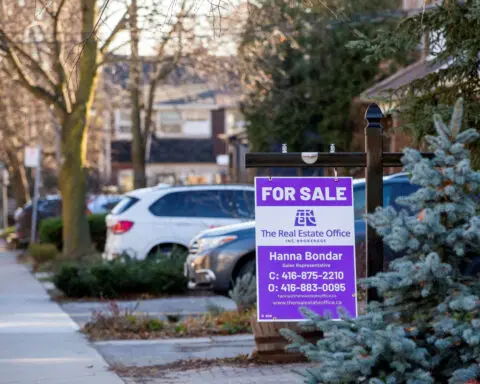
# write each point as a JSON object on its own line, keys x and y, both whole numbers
{"x": 305, "y": 194}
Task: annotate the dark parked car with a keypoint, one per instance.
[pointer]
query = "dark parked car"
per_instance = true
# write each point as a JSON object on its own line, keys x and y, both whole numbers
{"x": 50, "y": 206}
{"x": 218, "y": 257}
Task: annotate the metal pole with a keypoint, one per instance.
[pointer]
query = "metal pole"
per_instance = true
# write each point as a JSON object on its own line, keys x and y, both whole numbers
{"x": 374, "y": 190}
{"x": 5, "y": 198}
{"x": 38, "y": 170}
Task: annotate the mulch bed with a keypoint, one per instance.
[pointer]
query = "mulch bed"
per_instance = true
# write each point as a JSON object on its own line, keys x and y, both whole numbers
{"x": 134, "y": 297}
{"x": 119, "y": 325}
{"x": 156, "y": 371}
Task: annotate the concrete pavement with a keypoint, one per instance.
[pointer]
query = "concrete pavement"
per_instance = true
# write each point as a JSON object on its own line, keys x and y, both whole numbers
{"x": 230, "y": 375}
{"x": 144, "y": 353}
{"x": 39, "y": 343}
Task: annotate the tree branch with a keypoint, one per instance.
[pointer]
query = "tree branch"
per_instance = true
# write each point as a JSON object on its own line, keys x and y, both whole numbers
{"x": 163, "y": 71}
{"x": 45, "y": 8}
{"x": 10, "y": 45}
{"x": 88, "y": 55}
{"x": 118, "y": 28}
{"x": 63, "y": 84}
{"x": 28, "y": 83}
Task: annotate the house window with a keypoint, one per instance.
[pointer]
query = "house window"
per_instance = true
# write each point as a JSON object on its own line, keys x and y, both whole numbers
{"x": 125, "y": 115}
{"x": 124, "y": 128}
{"x": 170, "y": 122}
{"x": 123, "y": 123}
{"x": 197, "y": 115}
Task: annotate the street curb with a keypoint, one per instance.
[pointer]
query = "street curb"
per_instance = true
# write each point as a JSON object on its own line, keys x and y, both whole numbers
{"x": 193, "y": 340}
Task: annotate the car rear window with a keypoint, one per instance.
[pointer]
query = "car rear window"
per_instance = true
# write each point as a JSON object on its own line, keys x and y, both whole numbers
{"x": 123, "y": 205}
{"x": 198, "y": 203}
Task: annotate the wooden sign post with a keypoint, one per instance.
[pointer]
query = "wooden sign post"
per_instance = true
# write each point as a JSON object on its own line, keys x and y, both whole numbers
{"x": 373, "y": 159}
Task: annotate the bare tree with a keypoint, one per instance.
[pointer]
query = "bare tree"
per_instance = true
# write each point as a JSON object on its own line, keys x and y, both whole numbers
{"x": 57, "y": 63}
{"x": 173, "y": 45}
{"x": 12, "y": 135}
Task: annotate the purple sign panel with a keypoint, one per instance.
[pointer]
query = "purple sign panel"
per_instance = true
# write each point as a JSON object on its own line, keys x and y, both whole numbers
{"x": 305, "y": 247}
{"x": 304, "y": 192}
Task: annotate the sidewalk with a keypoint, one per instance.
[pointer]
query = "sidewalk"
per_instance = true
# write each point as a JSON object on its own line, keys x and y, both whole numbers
{"x": 39, "y": 343}
{"x": 144, "y": 353}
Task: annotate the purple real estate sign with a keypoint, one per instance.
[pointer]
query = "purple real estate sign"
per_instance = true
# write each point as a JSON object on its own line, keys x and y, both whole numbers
{"x": 305, "y": 235}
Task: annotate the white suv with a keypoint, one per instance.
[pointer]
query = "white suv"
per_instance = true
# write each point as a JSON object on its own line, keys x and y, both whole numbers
{"x": 157, "y": 219}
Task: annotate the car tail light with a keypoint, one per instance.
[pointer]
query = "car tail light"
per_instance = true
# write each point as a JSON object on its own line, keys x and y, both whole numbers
{"x": 122, "y": 226}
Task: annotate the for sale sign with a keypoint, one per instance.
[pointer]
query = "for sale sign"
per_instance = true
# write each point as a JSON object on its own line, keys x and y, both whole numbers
{"x": 305, "y": 235}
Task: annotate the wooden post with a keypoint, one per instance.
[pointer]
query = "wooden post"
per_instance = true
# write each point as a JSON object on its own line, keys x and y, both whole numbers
{"x": 374, "y": 190}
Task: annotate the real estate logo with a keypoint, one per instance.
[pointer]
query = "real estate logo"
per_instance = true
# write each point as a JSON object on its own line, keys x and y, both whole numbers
{"x": 305, "y": 218}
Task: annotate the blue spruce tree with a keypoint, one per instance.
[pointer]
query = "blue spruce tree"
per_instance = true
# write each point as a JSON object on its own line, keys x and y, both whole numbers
{"x": 427, "y": 327}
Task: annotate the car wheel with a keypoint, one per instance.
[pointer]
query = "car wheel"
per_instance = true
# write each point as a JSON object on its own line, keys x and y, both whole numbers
{"x": 165, "y": 251}
{"x": 248, "y": 267}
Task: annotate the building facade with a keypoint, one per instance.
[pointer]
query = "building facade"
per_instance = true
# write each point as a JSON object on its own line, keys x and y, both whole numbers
{"x": 185, "y": 145}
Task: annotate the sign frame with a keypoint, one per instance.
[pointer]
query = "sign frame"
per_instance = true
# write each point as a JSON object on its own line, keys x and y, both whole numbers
{"x": 332, "y": 180}
{"x": 373, "y": 160}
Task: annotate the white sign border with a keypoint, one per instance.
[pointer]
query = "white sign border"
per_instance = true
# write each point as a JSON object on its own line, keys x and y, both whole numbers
{"x": 256, "y": 247}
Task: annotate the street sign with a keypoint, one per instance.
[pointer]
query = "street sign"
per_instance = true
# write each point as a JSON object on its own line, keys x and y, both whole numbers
{"x": 32, "y": 157}
{"x": 305, "y": 235}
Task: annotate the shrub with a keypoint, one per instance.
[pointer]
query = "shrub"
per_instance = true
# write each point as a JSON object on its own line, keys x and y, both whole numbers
{"x": 426, "y": 327}
{"x": 7, "y": 232}
{"x": 51, "y": 231}
{"x": 42, "y": 253}
{"x": 98, "y": 230}
{"x": 122, "y": 277}
{"x": 244, "y": 292}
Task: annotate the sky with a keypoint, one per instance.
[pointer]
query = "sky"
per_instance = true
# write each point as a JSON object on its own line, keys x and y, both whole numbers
{"x": 207, "y": 11}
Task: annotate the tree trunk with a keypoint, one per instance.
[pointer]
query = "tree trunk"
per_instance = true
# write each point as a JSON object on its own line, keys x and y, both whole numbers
{"x": 475, "y": 155}
{"x": 19, "y": 182}
{"x": 138, "y": 138}
{"x": 138, "y": 162}
{"x": 18, "y": 178}
{"x": 77, "y": 243}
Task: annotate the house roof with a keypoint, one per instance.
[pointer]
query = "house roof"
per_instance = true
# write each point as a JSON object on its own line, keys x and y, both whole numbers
{"x": 201, "y": 96}
{"x": 168, "y": 151}
{"x": 197, "y": 81}
{"x": 387, "y": 87}
{"x": 219, "y": 69}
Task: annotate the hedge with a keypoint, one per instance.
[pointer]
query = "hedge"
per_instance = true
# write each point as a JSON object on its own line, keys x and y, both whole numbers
{"x": 42, "y": 254}
{"x": 50, "y": 231}
{"x": 122, "y": 277}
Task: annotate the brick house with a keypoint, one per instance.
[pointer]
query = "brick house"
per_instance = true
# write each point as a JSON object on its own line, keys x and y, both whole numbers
{"x": 385, "y": 94}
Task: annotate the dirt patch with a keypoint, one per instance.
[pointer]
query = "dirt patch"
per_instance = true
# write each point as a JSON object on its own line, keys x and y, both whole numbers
{"x": 156, "y": 371}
